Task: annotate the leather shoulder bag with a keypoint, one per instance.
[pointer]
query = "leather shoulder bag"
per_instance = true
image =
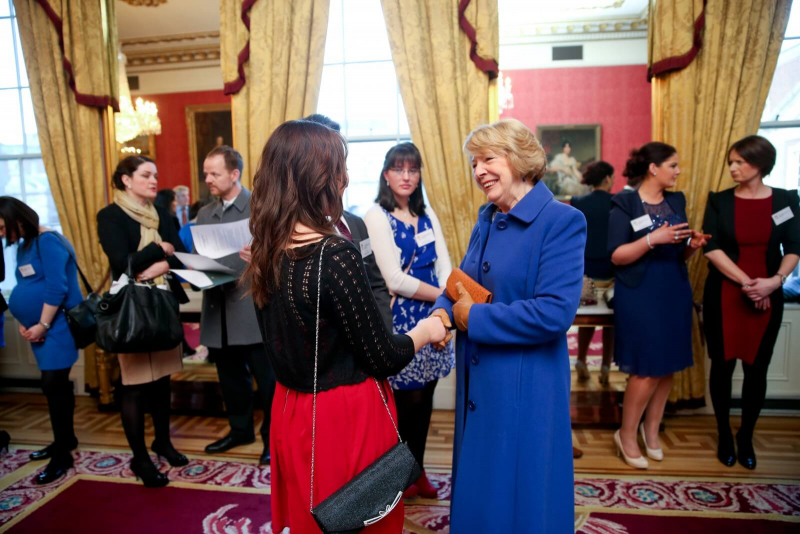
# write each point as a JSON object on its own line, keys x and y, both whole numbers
{"x": 375, "y": 491}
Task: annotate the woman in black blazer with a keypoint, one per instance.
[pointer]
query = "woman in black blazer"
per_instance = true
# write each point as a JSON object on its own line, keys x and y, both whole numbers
{"x": 133, "y": 229}
{"x": 596, "y": 207}
{"x": 743, "y": 301}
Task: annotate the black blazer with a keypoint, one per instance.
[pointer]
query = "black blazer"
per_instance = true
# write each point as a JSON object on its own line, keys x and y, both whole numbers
{"x": 596, "y": 207}
{"x": 625, "y": 207}
{"x": 719, "y": 222}
{"x": 120, "y": 235}
{"x": 3, "y": 304}
{"x": 359, "y": 232}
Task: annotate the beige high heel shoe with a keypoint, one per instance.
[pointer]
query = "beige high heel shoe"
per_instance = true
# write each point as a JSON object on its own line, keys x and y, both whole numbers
{"x": 638, "y": 463}
{"x": 582, "y": 370}
{"x": 655, "y": 454}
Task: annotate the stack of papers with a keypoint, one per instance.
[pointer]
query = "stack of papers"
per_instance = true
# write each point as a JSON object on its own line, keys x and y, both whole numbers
{"x": 213, "y": 241}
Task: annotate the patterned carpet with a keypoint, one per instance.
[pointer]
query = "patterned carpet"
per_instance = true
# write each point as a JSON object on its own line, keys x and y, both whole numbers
{"x": 604, "y": 505}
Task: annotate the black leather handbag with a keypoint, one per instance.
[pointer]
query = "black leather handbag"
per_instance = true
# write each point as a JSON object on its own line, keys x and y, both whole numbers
{"x": 375, "y": 491}
{"x": 138, "y": 318}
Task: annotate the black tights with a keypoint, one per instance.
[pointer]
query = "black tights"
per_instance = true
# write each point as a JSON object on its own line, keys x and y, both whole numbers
{"x": 414, "y": 408}
{"x": 136, "y": 400}
{"x": 61, "y": 403}
{"x": 754, "y": 390}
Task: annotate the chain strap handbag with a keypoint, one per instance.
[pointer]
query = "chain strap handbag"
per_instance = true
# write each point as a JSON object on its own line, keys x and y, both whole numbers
{"x": 374, "y": 492}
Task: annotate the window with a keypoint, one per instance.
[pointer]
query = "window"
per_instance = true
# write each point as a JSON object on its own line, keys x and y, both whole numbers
{"x": 22, "y": 173}
{"x": 780, "y": 122}
{"x": 360, "y": 92}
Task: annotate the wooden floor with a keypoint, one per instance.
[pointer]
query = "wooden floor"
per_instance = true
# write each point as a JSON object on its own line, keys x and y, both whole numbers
{"x": 689, "y": 442}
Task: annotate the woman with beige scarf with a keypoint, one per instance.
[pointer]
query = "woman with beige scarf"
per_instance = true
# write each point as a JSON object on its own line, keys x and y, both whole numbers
{"x": 132, "y": 230}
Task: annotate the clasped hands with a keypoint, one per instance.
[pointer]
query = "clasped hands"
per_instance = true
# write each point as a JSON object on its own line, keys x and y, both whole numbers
{"x": 461, "y": 309}
{"x": 759, "y": 289}
{"x": 34, "y": 334}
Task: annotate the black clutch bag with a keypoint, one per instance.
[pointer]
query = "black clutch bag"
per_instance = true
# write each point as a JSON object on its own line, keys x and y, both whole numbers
{"x": 374, "y": 492}
{"x": 139, "y": 318}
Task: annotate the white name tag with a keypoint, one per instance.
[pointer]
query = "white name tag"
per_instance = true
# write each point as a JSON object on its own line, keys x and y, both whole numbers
{"x": 640, "y": 223}
{"x": 782, "y": 216}
{"x": 425, "y": 238}
{"x": 366, "y": 248}
{"x": 26, "y": 270}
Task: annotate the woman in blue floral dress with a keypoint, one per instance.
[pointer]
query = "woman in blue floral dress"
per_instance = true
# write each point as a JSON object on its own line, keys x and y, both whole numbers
{"x": 409, "y": 248}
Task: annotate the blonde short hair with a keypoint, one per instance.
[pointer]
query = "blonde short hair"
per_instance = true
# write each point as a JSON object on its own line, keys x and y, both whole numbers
{"x": 181, "y": 189}
{"x": 513, "y": 140}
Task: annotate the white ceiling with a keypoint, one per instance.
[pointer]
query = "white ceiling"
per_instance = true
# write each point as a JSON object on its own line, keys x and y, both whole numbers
{"x": 191, "y": 16}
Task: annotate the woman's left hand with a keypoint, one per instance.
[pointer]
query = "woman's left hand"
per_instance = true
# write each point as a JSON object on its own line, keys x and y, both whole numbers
{"x": 157, "y": 269}
{"x": 762, "y": 304}
{"x": 698, "y": 239}
{"x": 761, "y": 288}
{"x": 461, "y": 308}
{"x": 34, "y": 334}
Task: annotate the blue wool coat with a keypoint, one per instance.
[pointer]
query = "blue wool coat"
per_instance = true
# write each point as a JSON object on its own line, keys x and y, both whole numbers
{"x": 512, "y": 455}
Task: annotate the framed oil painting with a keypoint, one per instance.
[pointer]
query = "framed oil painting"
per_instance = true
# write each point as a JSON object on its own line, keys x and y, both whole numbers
{"x": 208, "y": 126}
{"x": 569, "y": 148}
{"x": 143, "y": 145}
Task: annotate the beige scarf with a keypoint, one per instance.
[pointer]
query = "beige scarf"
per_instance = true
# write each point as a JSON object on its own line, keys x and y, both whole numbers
{"x": 146, "y": 216}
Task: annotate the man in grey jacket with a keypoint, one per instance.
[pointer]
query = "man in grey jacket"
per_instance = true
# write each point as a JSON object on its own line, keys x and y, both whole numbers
{"x": 228, "y": 324}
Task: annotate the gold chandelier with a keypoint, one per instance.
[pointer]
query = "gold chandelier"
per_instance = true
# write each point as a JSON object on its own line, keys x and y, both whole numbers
{"x": 132, "y": 121}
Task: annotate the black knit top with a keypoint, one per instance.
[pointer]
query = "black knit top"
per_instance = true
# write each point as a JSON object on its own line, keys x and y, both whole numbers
{"x": 354, "y": 343}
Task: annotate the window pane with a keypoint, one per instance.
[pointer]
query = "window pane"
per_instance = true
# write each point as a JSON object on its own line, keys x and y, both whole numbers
{"x": 44, "y": 206}
{"x": 8, "y": 68}
{"x": 10, "y": 183}
{"x": 783, "y": 101}
{"x": 371, "y": 90}
{"x": 365, "y": 37}
{"x": 364, "y": 165}
{"x": 331, "y": 95}
{"x": 333, "y": 41}
{"x": 35, "y": 177}
{"x": 4, "y": 8}
{"x": 786, "y": 173}
{"x": 405, "y": 130}
{"x": 31, "y": 133}
{"x": 11, "y": 132}
{"x": 10, "y": 257}
{"x": 793, "y": 28}
{"x": 23, "y": 74}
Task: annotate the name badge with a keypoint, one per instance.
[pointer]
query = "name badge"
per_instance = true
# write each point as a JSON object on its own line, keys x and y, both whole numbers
{"x": 366, "y": 248}
{"x": 425, "y": 238}
{"x": 26, "y": 270}
{"x": 640, "y": 223}
{"x": 782, "y": 216}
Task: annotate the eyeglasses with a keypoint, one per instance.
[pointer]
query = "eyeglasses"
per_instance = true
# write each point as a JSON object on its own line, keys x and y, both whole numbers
{"x": 401, "y": 171}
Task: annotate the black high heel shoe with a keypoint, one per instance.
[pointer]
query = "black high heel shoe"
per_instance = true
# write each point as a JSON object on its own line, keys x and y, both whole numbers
{"x": 151, "y": 477}
{"x": 726, "y": 453}
{"x": 169, "y": 453}
{"x": 747, "y": 454}
{"x": 57, "y": 468}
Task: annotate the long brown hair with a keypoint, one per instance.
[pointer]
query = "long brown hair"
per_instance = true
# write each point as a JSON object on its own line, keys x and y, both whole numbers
{"x": 302, "y": 168}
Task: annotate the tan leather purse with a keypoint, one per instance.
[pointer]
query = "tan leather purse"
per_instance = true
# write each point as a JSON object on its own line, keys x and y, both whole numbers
{"x": 479, "y": 294}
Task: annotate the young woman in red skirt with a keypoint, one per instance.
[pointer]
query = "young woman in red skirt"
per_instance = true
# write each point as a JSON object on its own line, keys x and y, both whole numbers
{"x": 297, "y": 195}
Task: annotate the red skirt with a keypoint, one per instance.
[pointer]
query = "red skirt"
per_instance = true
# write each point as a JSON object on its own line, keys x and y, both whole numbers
{"x": 353, "y": 430}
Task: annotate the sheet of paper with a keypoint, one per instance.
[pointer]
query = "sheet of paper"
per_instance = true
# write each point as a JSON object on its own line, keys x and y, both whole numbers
{"x": 204, "y": 280}
{"x": 201, "y": 263}
{"x": 218, "y": 240}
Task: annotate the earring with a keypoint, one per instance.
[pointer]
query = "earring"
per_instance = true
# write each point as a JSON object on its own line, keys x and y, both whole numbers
{"x": 654, "y": 174}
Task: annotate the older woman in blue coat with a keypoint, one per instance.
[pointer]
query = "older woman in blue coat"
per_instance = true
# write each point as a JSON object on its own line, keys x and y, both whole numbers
{"x": 512, "y": 457}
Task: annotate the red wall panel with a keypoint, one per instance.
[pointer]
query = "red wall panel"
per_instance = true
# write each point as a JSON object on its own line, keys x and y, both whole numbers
{"x": 172, "y": 146}
{"x": 617, "y": 98}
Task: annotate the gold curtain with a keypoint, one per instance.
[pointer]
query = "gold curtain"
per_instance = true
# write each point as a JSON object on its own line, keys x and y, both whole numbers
{"x": 273, "y": 69}
{"x": 445, "y": 96}
{"x": 704, "y": 108}
{"x": 71, "y": 89}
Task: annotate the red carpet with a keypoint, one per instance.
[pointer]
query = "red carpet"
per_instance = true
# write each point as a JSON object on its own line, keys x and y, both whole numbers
{"x": 89, "y": 505}
{"x": 602, "y": 523}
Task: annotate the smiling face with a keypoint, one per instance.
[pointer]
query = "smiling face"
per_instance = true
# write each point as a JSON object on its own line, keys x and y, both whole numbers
{"x": 666, "y": 174}
{"x": 495, "y": 177}
{"x": 403, "y": 179}
{"x": 143, "y": 185}
{"x": 741, "y": 171}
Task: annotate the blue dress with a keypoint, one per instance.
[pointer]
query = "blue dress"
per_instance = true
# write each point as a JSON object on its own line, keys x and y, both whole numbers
{"x": 428, "y": 364}
{"x": 653, "y": 320}
{"x": 54, "y": 281}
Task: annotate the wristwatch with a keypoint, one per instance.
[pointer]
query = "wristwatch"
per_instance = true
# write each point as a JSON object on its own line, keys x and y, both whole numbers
{"x": 45, "y": 325}
{"x": 783, "y": 278}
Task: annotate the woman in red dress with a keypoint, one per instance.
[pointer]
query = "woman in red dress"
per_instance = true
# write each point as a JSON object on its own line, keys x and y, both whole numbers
{"x": 743, "y": 301}
{"x": 297, "y": 196}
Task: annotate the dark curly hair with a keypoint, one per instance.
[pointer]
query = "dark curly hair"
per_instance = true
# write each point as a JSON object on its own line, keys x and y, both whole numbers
{"x": 641, "y": 158}
{"x": 127, "y": 167}
{"x": 596, "y": 172}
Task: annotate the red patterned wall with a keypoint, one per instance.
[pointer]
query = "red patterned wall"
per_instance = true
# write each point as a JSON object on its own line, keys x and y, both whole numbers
{"x": 172, "y": 146}
{"x": 617, "y": 98}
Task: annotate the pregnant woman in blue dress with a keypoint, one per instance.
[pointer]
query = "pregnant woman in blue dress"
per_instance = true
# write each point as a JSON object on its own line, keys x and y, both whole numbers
{"x": 649, "y": 241}
{"x": 47, "y": 283}
{"x": 411, "y": 253}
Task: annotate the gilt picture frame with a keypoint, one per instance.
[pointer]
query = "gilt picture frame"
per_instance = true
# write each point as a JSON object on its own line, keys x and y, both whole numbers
{"x": 207, "y": 126}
